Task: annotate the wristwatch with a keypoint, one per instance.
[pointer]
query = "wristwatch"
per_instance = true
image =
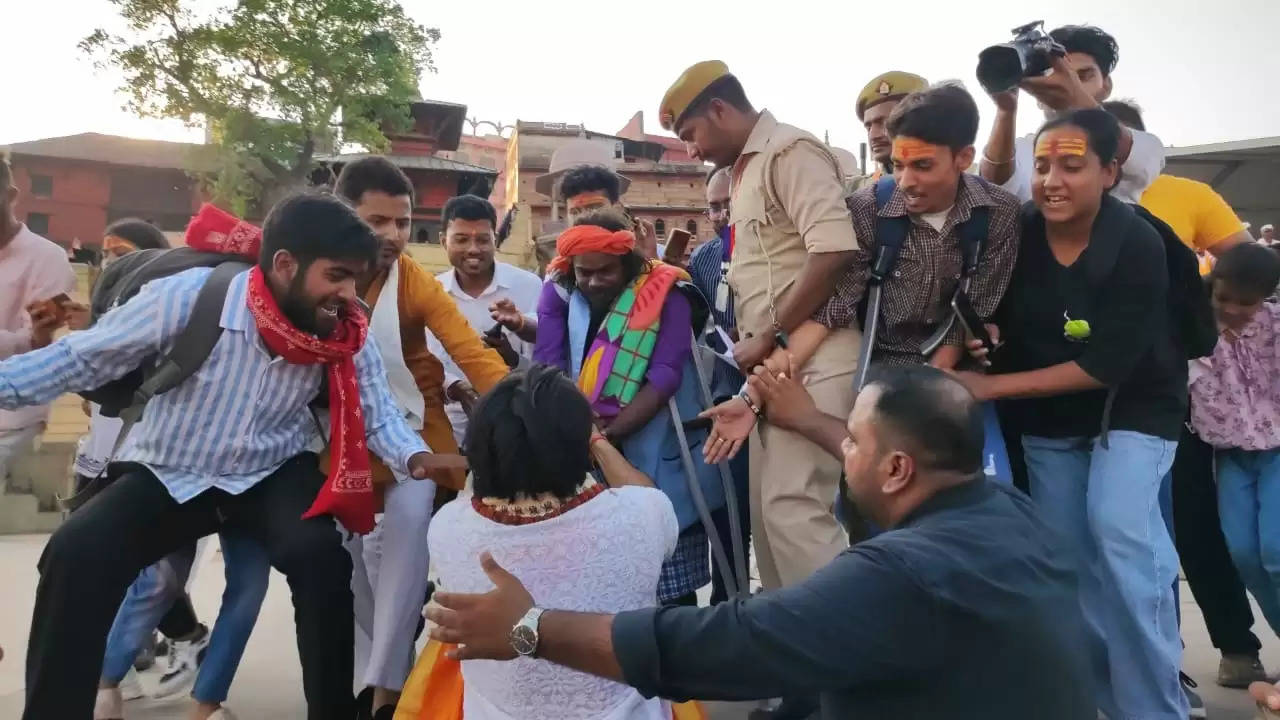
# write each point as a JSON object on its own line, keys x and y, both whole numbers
{"x": 524, "y": 636}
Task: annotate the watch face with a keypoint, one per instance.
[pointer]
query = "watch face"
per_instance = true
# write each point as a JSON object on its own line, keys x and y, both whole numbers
{"x": 524, "y": 639}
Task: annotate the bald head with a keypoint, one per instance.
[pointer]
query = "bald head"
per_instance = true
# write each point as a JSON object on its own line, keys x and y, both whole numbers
{"x": 718, "y": 186}
{"x": 927, "y": 414}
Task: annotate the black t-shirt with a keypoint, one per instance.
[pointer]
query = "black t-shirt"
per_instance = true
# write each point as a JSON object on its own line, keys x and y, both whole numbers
{"x": 1119, "y": 286}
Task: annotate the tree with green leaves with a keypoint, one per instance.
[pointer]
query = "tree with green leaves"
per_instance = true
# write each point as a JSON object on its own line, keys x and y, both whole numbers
{"x": 275, "y": 81}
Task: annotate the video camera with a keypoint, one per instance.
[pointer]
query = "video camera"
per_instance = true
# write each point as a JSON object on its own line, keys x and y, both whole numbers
{"x": 1001, "y": 67}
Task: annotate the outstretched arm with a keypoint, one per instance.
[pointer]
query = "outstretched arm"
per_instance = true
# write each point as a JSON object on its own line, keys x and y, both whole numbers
{"x": 859, "y": 619}
{"x": 119, "y": 342}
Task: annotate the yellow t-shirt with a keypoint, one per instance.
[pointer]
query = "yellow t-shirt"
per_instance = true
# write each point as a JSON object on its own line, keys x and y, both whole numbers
{"x": 1195, "y": 211}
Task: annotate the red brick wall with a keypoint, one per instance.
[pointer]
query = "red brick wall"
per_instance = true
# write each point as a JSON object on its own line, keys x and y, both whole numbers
{"x": 78, "y": 206}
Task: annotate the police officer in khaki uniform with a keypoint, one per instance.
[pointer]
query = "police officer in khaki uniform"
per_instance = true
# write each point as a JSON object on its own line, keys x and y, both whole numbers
{"x": 793, "y": 239}
{"x": 876, "y": 101}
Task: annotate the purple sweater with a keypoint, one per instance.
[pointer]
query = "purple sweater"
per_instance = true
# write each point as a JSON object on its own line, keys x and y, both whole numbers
{"x": 670, "y": 353}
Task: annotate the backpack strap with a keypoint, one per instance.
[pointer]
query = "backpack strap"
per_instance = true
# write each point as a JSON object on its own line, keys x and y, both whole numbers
{"x": 191, "y": 347}
{"x": 972, "y": 234}
{"x": 891, "y": 233}
{"x": 890, "y": 236}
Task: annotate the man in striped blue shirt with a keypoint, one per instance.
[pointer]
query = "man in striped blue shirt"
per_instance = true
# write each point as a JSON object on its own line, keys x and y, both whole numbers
{"x": 708, "y": 266}
{"x": 226, "y": 449}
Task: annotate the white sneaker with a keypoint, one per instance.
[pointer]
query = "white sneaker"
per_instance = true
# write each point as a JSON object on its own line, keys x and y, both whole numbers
{"x": 130, "y": 687}
{"x": 109, "y": 705}
{"x": 184, "y": 662}
{"x": 223, "y": 714}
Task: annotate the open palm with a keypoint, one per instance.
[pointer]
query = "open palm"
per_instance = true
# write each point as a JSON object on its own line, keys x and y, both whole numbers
{"x": 731, "y": 424}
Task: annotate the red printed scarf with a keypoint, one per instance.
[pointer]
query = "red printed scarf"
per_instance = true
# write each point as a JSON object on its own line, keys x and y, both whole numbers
{"x": 348, "y": 492}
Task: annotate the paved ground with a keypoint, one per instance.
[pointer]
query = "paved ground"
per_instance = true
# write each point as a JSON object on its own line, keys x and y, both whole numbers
{"x": 268, "y": 686}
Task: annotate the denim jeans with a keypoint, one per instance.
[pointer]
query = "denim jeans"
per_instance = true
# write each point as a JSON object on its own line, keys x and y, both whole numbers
{"x": 1105, "y": 504}
{"x": 156, "y": 589}
{"x": 1249, "y": 503}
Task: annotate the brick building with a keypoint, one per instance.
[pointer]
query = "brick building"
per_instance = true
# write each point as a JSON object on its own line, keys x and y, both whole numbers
{"x": 70, "y": 188}
{"x": 668, "y": 188}
{"x": 420, "y": 152}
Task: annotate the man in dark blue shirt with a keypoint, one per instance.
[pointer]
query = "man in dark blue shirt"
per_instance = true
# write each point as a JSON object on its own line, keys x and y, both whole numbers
{"x": 965, "y": 608}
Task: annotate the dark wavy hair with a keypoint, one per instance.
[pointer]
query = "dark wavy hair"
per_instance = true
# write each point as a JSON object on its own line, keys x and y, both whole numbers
{"x": 1092, "y": 41}
{"x": 591, "y": 178}
{"x": 530, "y": 434}
{"x": 1250, "y": 268}
{"x": 944, "y": 114}
{"x": 141, "y": 233}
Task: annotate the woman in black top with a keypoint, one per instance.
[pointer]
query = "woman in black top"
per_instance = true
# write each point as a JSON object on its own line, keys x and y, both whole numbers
{"x": 1091, "y": 352}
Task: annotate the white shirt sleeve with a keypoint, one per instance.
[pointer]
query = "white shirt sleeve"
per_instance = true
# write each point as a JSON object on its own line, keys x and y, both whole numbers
{"x": 1019, "y": 183}
{"x": 1145, "y": 163}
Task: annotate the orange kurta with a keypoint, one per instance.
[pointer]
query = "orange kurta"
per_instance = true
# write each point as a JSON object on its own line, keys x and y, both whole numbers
{"x": 424, "y": 304}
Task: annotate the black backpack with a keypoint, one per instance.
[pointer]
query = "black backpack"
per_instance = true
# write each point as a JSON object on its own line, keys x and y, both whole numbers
{"x": 1189, "y": 308}
{"x": 126, "y": 396}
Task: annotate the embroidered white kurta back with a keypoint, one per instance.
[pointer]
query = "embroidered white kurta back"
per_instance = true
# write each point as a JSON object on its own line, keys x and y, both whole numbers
{"x": 603, "y": 556}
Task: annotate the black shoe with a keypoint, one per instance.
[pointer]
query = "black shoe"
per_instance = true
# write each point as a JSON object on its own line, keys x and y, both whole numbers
{"x": 146, "y": 658}
{"x": 364, "y": 704}
{"x": 386, "y": 712}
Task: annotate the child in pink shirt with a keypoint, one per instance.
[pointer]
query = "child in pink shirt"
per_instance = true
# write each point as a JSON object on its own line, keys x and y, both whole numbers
{"x": 1235, "y": 407}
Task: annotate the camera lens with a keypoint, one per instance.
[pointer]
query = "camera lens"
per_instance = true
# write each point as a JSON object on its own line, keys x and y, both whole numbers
{"x": 1000, "y": 68}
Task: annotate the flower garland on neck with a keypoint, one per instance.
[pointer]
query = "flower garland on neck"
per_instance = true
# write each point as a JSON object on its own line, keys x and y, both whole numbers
{"x": 526, "y": 511}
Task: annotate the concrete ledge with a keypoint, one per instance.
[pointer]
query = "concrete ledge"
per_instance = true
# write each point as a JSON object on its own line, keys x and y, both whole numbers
{"x": 44, "y": 473}
{"x": 20, "y": 513}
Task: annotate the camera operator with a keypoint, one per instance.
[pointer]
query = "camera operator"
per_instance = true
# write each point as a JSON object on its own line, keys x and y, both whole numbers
{"x": 1079, "y": 80}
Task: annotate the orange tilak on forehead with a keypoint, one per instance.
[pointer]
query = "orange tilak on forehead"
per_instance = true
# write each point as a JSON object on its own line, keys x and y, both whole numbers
{"x": 112, "y": 243}
{"x": 1054, "y": 146}
{"x": 587, "y": 200}
{"x": 906, "y": 149}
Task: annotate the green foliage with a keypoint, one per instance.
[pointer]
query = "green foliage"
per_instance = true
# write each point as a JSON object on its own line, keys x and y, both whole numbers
{"x": 276, "y": 81}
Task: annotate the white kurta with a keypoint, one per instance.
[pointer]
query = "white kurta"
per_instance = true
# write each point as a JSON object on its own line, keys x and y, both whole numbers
{"x": 603, "y": 556}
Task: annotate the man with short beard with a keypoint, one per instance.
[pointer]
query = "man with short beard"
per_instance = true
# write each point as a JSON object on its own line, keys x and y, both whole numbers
{"x": 226, "y": 449}
{"x": 390, "y": 581}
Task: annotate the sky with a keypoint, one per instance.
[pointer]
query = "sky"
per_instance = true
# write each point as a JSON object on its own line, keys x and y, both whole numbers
{"x": 1202, "y": 71}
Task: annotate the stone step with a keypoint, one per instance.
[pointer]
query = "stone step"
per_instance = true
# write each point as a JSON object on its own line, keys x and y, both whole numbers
{"x": 20, "y": 513}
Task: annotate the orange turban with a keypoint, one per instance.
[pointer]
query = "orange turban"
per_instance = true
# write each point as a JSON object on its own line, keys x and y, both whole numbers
{"x": 216, "y": 230}
{"x": 583, "y": 239}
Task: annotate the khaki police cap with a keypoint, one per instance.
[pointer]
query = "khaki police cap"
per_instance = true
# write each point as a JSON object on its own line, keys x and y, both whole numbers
{"x": 687, "y": 88}
{"x": 892, "y": 85}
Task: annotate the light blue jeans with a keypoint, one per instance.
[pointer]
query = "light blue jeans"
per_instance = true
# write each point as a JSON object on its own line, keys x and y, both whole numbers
{"x": 1249, "y": 506}
{"x": 1105, "y": 504}
{"x": 155, "y": 590}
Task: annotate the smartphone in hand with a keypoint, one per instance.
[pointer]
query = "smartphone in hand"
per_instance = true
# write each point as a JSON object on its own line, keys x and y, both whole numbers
{"x": 969, "y": 319}
{"x": 57, "y": 306}
{"x": 677, "y": 242}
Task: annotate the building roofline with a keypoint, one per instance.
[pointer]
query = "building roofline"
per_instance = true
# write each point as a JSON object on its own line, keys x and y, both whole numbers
{"x": 1233, "y": 146}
